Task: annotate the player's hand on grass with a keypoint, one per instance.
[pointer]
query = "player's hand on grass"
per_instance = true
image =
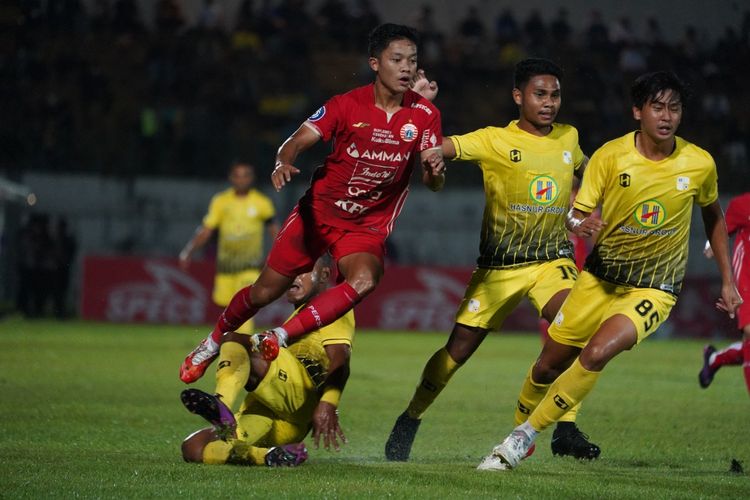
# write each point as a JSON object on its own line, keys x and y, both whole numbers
{"x": 730, "y": 299}
{"x": 326, "y": 425}
{"x": 424, "y": 87}
{"x": 282, "y": 174}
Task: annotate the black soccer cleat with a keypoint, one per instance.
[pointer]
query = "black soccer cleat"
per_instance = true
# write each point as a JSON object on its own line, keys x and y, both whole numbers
{"x": 706, "y": 375}
{"x": 398, "y": 446}
{"x": 568, "y": 440}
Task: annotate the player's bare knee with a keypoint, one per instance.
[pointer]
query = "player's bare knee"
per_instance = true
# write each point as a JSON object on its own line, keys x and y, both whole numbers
{"x": 192, "y": 448}
{"x": 364, "y": 283}
{"x": 544, "y": 373}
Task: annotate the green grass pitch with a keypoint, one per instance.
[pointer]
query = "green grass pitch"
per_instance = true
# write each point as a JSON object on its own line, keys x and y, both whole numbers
{"x": 93, "y": 411}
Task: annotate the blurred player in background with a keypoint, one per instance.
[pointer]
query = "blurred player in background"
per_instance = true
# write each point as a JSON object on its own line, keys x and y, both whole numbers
{"x": 738, "y": 223}
{"x": 240, "y": 214}
{"x": 647, "y": 182}
{"x": 528, "y": 168}
{"x": 377, "y": 131}
{"x": 298, "y": 390}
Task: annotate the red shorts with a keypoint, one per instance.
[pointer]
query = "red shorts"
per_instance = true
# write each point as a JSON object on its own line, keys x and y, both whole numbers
{"x": 302, "y": 240}
{"x": 743, "y": 286}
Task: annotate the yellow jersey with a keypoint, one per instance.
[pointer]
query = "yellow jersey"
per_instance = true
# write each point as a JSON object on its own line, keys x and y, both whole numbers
{"x": 310, "y": 348}
{"x": 647, "y": 206}
{"x": 240, "y": 221}
{"x": 527, "y": 185}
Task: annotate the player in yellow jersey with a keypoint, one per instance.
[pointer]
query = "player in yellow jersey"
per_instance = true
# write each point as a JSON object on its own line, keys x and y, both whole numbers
{"x": 298, "y": 390}
{"x": 646, "y": 182}
{"x": 528, "y": 168}
{"x": 241, "y": 215}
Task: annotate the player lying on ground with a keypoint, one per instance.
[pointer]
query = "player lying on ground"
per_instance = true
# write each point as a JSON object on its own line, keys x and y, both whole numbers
{"x": 647, "y": 182}
{"x": 286, "y": 397}
{"x": 378, "y": 132}
{"x": 528, "y": 168}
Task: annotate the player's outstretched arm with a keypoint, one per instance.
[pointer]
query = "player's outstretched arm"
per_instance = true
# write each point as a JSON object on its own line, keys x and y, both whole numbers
{"x": 716, "y": 232}
{"x": 326, "y": 416}
{"x": 301, "y": 140}
{"x": 199, "y": 239}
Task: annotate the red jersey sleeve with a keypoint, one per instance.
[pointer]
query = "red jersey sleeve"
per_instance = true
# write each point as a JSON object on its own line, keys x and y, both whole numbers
{"x": 327, "y": 118}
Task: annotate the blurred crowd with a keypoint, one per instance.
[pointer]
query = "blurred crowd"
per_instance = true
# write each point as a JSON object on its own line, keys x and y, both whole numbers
{"x": 99, "y": 89}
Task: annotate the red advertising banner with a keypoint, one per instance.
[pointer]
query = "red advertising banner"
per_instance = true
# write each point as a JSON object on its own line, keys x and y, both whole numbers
{"x": 151, "y": 290}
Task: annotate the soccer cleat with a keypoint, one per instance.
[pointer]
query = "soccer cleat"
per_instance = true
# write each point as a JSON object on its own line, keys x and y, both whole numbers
{"x": 570, "y": 441}
{"x": 212, "y": 409}
{"x": 197, "y": 361}
{"x": 508, "y": 454}
{"x": 398, "y": 446}
{"x": 269, "y": 342}
{"x": 290, "y": 455}
{"x": 706, "y": 375}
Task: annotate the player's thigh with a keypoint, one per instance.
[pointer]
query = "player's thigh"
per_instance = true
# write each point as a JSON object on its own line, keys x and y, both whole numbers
{"x": 549, "y": 279}
{"x": 254, "y": 421}
{"x": 647, "y": 308}
{"x": 582, "y": 312}
{"x": 297, "y": 246}
{"x": 353, "y": 242}
{"x": 492, "y": 294}
{"x": 287, "y": 389}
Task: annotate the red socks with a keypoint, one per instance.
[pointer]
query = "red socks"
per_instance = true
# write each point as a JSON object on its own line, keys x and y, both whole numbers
{"x": 322, "y": 310}
{"x": 731, "y": 355}
{"x": 239, "y": 310}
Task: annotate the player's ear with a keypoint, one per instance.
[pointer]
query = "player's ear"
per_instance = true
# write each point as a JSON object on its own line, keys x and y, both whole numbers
{"x": 325, "y": 274}
{"x": 374, "y": 63}
{"x": 637, "y": 113}
{"x": 517, "y": 96}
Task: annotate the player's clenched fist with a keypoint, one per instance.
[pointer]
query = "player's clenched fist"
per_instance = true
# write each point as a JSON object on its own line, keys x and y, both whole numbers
{"x": 282, "y": 174}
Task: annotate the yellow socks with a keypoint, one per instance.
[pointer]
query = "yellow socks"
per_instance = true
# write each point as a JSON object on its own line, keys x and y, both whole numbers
{"x": 438, "y": 371}
{"x": 570, "y": 388}
{"x": 529, "y": 398}
{"x": 235, "y": 452}
{"x": 232, "y": 371}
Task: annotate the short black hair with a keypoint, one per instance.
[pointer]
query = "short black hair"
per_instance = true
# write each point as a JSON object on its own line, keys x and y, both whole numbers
{"x": 383, "y": 35}
{"x": 650, "y": 86}
{"x": 528, "y": 68}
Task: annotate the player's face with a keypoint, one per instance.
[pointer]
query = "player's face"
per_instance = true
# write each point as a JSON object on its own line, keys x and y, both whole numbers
{"x": 538, "y": 102}
{"x": 660, "y": 116}
{"x": 305, "y": 286}
{"x": 396, "y": 66}
{"x": 242, "y": 177}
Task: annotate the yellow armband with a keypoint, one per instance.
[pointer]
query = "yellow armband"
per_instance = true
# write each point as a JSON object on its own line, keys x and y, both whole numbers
{"x": 331, "y": 395}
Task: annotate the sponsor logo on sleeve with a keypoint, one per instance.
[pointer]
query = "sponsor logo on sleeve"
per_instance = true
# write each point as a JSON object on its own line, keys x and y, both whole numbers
{"x": 320, "y": 113}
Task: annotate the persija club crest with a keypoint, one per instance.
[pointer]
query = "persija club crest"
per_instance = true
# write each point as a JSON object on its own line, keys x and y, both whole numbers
{"x": 650, "y": 214}
{"x": 408, "y": 132}
{"x": 543, "y": 190}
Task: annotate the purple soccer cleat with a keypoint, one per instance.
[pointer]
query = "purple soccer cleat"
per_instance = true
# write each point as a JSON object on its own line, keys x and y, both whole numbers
{"x": 289, "y": 455}
{"x": 212, "y": 409}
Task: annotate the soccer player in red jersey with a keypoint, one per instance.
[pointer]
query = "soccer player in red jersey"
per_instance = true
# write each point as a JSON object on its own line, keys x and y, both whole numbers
{"x": 738, "y": 353}
{"x": 349, "y": 210}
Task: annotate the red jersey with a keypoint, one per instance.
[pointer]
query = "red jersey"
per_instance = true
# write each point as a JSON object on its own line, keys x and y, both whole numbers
{"x": 365, "y": 180}
{"x": 738, "y": 222}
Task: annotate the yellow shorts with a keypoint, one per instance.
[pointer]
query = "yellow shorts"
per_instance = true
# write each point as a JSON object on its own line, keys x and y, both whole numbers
{"x": 592, "y": 301}
{"x": 493, "y": 294}
{"x": 280, "y": 409}
{"x": 226, "y": 285}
